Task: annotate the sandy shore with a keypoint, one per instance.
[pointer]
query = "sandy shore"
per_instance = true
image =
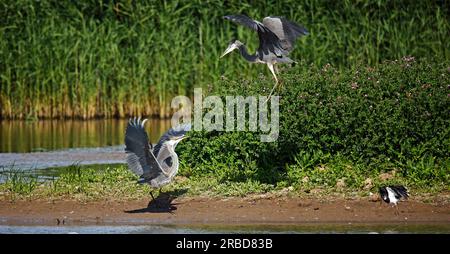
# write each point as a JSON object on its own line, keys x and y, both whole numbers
{"x": 199, "y": 210}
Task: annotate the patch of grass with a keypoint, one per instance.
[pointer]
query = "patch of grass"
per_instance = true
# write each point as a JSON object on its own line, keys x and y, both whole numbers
{"x": 76, "y": 182}
{"x": 18, "y": 182}
{"x": 89, "y": 183}
{"x": 119, "y": 184}
{"x": 115, "y": 183}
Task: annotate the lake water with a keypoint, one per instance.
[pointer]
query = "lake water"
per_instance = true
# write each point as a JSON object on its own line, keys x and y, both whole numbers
{"x": 50, "y": 135}
{"x": 26, "y": 145}
{"x": 243, "y": 229}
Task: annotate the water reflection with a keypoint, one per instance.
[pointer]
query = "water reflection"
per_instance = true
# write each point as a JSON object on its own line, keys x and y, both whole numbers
{"x": 240, "y": 229}
{"x": 44, "y": 135}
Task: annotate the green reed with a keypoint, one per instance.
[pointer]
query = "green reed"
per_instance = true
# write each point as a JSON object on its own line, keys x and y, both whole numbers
{"x": 16, "y": 181}
{"x": 119, "y": 58}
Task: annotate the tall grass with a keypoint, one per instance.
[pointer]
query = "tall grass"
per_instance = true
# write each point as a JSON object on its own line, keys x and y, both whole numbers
{"x": 16, "y": 181}
{"x": 98, "y": 58}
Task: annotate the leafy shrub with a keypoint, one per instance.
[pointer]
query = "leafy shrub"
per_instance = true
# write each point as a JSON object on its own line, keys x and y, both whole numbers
{"x": 394, "y": 115}
{"x": 234, "y": 156}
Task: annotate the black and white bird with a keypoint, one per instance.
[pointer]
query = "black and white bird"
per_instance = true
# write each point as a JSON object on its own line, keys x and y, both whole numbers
{"x": 158, "y": 165}
{"x": 393, "y": 194}
{"x": 277, "y": 37}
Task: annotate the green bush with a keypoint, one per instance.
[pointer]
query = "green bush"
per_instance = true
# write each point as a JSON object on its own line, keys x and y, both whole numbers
{"x": 394, "y": 116}
{"x": 234, "y": 156}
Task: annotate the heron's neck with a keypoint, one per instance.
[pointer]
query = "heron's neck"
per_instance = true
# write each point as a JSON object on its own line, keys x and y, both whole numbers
{"x": 246, "y": 55}
{"x": 175, "y": 164}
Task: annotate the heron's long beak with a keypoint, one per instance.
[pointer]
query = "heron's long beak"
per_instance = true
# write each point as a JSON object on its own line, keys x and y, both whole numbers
{"x": 181, "y": 138}
{"x": 228, "y": 50}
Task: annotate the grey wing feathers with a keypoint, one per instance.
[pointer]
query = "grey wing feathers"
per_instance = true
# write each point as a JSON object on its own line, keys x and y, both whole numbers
{"x": 166, "y": 160}
{"x": 287, "y": 31}
{"x": 243, "y": 20}
{"x": 268, "y": 40}
{"x": 400, "y": 192}
{"x": 139, "y": 156}
{"x": 134, "y": 165}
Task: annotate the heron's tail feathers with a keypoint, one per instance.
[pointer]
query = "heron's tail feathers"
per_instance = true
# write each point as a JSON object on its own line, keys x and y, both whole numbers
{"x": 142, "y": 180}
{"x": 297, "y": 29}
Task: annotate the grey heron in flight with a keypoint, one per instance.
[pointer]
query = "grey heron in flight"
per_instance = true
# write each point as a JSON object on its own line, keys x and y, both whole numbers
{"x": 277, "y": 37}
{"x": 158, "y": 165}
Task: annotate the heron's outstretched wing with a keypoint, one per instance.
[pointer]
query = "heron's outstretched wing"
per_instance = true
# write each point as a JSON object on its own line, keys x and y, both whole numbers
{"x": 400, "y": 192}
{"x": 140, "y": 159}
{"x": 383, "y": 192}
{"x": 268, "y": 40}
{"x": 287, "y": 31}
{"x": 243, "y": 20}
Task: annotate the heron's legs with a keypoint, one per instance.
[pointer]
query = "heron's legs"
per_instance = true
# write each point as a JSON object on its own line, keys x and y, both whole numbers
{"x": 151, "y": 194}
{"x": 270, "y": 95}
{"x": 396, "y": 209}
{"x": 272, "y": 69}
{"x": 168, "y": 193}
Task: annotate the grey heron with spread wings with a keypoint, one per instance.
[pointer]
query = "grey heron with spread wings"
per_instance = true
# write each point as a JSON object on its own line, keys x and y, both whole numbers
{"x": 393, "y": 194}
{"x": 158, "y": 165}
{"x": 277, "y": 37}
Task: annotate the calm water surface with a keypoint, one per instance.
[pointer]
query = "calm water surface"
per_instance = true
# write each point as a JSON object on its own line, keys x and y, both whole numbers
{"x": 50, "y": 135}
{"x": 261, "y": 229}
{"x": 31, "y": 145}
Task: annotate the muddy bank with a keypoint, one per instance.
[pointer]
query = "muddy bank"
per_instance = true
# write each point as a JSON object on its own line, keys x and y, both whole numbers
{"x": 201, "y": 211}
